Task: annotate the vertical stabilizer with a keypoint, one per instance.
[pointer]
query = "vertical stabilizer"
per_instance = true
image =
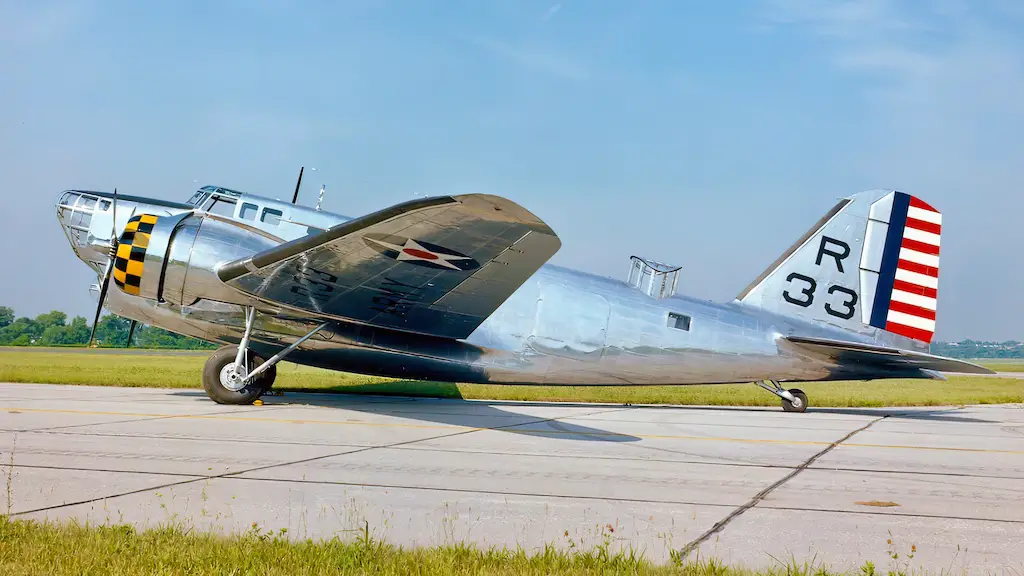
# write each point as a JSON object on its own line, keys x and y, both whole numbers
{"x": 870, "y": 264}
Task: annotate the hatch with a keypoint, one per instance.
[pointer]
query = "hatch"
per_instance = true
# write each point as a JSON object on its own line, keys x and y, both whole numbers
{"x": 656, "y": 279}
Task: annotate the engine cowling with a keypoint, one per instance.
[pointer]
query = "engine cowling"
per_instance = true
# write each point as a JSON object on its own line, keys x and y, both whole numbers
{"x": 174, "y": 258}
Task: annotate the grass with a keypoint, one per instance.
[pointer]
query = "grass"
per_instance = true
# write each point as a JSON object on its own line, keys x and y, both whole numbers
{"x": 183, "y": 371}
{"x": 1007, "y": 365}
{"x": 33, "y": 547}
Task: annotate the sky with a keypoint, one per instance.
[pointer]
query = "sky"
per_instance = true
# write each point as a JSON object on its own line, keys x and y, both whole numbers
{"x": 709, "y": 135}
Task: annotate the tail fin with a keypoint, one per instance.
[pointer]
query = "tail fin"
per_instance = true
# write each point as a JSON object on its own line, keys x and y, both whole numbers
{"x": 872, "y": 263}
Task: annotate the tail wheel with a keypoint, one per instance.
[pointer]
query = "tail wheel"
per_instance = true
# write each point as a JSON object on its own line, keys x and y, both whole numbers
{"x": 223, "y": 384}
{"x": 799, "y": 403}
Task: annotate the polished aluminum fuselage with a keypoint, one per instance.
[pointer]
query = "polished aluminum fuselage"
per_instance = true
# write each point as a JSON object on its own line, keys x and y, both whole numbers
{"x": 560, "y": 327}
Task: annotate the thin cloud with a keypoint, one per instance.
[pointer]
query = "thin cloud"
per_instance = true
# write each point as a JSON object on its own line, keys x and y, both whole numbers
{"x": 551, "y": 12}
{"x": 29, "y": 25}
{"x": 943, "y": 87}
{"x": 535, "y": 59}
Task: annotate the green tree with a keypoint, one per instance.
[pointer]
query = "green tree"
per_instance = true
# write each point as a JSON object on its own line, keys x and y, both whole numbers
{"x": 112, "y": 331}
{"x": 21, "y": 327}
{"x": 6, "y": 316}
{"x": 75, "y": 333}
{"x": 52, "y": 318}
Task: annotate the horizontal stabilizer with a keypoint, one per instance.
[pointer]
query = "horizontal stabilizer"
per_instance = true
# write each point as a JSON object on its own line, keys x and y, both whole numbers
{"x": 853, "y": 353}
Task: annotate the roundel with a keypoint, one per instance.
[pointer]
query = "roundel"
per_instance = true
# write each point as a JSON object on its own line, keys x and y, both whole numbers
{"x": 420, "y": 253}
{"x": 130, "y": 258}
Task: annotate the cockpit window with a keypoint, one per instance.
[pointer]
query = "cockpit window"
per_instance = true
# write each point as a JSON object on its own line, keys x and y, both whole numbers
{"x": 220, "y": 206}
{"x": 197, "y": 198}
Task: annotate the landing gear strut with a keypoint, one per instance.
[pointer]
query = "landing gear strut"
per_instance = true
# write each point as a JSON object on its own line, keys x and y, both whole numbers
{"x": 793, "y": 400}
{"x": 235, "y": 375}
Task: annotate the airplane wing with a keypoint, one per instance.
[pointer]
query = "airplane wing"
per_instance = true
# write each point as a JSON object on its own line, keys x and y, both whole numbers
{"x": 884, "y": 357}
{"x": 437, "y": 266}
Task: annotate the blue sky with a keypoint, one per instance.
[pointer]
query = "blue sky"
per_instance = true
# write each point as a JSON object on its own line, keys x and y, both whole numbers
{"x": 704, "y": 134}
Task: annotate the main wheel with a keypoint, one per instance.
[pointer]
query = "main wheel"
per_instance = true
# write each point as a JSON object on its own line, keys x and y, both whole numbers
{"x": 799, "y": 403}
{"x": 266, "y": 379}
{"x": 224, "y": 385}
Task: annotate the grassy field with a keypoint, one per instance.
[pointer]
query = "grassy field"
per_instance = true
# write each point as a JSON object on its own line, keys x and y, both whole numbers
{"x": 183, "y": 371}
{"x": 28, "y": 547}
{"x": 1007, "y": 365}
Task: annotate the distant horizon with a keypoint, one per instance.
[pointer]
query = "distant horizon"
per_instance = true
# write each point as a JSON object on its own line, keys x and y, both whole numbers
{"x": 88, "y": 319}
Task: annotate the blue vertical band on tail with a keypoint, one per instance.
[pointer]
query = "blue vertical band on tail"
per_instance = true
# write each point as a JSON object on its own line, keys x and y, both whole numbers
{"x": 890, "y": 259}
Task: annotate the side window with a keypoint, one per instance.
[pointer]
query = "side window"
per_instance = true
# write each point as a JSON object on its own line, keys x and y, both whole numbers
{"x": 678, "y": 321}
{"x": 271, "y": 217}
{"x": 248, "y": 211}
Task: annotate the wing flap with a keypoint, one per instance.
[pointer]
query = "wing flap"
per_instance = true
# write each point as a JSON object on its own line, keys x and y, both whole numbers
{"x": 438, "y": 266}
{"x": 884, "y": 356}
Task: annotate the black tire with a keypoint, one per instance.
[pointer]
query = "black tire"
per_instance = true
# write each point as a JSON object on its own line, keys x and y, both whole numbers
{"x": 266, "y": 379}
{"x": 801, "y": 401}
{"x": 212, "y": 384}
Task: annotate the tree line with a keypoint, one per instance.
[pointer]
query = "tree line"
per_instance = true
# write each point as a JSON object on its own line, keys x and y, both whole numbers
{"x": 53, "y": 329}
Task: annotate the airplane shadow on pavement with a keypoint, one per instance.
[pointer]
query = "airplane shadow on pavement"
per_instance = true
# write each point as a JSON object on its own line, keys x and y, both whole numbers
{"x": 448, "y": 407}
{"x": 445, "y": 405}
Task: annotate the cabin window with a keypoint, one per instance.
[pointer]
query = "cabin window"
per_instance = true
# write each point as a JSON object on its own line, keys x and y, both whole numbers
{"x": 104, "y": 205}
{"x": 678, "y": 321}
{"x": 271, "y": 217}
{"x": 248, "y": 211}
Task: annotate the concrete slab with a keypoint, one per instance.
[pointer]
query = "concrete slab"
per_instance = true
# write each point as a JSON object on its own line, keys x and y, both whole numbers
{"x": 422, "y": 472}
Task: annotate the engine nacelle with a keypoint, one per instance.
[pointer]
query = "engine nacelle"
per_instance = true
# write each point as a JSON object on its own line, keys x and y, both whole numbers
{"x": 174, "y": 258}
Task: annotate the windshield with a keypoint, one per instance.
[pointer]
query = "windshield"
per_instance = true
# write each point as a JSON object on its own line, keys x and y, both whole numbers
{"x": 197, "y": 198}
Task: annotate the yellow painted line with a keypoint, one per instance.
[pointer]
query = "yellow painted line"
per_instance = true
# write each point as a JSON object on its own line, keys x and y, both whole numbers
{"x": 234, "y": 418}
{"x": 936, "y": 448}
{"x": 511, "y": 430}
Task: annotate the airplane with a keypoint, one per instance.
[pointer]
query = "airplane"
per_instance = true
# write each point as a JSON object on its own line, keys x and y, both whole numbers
{"x": 459, "y": 289}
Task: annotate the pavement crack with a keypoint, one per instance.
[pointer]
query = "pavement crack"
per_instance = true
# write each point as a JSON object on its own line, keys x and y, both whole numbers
{"x": 294, "y": 462}
{"x": 408, "y": 442}
{"x": 721, "y": 524}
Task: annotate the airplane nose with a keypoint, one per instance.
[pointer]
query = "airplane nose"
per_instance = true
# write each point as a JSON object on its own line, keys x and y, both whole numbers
{"x": 75, "y": 211}
{"x": 74, "y": 218}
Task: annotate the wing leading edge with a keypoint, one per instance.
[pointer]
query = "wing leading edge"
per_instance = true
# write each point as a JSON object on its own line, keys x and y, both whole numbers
{"x": 437, "y": 266}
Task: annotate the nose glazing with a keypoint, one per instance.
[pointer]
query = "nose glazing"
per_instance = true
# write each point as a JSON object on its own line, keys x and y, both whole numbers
{"x": 75, "y": 211}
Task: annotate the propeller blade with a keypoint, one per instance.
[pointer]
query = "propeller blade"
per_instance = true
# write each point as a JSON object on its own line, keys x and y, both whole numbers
{"x": 108, "y": 272}
{"x": 102, "y": 298}
{"x": 113, "y": 221}
{"x": 131, "y": 332}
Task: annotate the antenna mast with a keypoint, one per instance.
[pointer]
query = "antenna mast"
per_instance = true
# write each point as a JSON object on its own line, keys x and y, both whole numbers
{"x": 295, "y": 196}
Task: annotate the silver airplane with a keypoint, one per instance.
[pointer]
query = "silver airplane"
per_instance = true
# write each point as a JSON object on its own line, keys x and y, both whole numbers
{"x": 457, "y": 289}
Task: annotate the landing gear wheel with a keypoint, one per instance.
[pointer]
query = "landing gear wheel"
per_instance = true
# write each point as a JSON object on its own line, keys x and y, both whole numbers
{"x": 224, "y": 385}
{"x": 799, "y": 404}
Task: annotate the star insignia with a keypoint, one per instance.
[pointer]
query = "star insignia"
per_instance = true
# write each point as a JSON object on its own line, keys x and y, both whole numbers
{"x": 423, "y": 253}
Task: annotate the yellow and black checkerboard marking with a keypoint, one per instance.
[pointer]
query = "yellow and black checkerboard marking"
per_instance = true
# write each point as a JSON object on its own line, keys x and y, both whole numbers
{"x": 131, "y": 253}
